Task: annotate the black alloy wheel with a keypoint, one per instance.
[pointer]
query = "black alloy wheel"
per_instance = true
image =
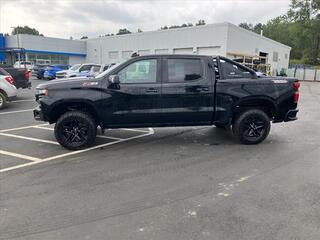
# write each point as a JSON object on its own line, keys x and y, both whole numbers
{"x": 251, "y": 126}
{"x": 75, "y": 130}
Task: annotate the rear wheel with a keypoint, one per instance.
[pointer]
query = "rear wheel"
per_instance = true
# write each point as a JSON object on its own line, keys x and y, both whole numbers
{"x": 251, "y": 126}
{"x": 3, "y": 100}
{"x": 75, "y": 130}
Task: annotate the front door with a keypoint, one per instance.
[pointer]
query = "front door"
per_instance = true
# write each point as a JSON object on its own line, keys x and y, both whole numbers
{"x": 136, "y": 101}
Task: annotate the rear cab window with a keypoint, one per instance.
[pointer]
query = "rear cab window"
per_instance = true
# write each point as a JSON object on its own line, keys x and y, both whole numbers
{"x": 229, "y": 70}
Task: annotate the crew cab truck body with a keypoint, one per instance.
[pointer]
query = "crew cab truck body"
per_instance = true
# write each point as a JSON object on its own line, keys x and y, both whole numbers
{"x": 167, "y": 90}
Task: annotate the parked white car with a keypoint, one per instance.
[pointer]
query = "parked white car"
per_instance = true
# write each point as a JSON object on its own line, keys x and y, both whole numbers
{"x": 7, "y": 89}
{"x": 78, "y": 70}
{"x": 23, "y": 64}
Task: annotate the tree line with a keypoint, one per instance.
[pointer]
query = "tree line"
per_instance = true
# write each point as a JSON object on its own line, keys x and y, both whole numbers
{"x": 299, "y": 28}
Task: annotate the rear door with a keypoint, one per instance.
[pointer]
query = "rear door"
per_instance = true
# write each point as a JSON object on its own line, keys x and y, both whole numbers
{"x": 187, "y": 91}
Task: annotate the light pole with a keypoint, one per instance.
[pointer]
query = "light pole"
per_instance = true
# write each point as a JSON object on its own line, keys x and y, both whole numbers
{"x": 17, "y": 43}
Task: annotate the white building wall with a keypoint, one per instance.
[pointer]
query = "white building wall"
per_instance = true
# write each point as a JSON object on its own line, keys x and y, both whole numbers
{"x": 246, "y": 42}
{"x": 40, "y": 43}
{"x": 181, "y": 40}
{"x": 76, "y": 59}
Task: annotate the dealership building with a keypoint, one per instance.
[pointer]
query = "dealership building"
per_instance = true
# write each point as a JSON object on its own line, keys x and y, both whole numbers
{"x": 223, "y": 39}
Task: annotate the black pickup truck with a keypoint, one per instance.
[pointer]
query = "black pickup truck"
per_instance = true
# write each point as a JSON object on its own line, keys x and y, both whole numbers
{"x": 167, "y": 90}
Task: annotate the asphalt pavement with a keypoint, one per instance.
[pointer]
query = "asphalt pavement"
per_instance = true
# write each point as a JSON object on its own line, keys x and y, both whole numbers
{"x": 162, "y": 183}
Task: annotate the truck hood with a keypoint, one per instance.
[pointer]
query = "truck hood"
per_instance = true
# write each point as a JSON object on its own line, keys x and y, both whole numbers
{"x": 69, "y": 83}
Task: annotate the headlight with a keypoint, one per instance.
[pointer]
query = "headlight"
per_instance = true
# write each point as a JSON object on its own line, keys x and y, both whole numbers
{"x": 41, "y": 92}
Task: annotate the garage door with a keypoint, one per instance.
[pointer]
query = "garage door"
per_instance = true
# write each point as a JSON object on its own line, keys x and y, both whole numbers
{"x": 210, "y": 51}
{"x": 183, "y": 50}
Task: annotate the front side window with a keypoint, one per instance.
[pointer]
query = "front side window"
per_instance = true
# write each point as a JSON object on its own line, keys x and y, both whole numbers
{"x": 143, "y": 71}
{"x": 232, "y": 71}
{"x": 85, "y": 68}
{"x": 75, "y": 67}
{"x": 182, "y": 70}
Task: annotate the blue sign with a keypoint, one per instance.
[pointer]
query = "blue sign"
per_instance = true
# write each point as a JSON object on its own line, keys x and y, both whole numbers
{"x": 2, "y": 45}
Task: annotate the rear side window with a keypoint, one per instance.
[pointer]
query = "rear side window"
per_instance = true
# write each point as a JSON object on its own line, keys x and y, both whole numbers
{"x": 95, "y": 68}
{"x": 232, "y": 71}
{"x": 105, "y": 67}
{"x": 183, "y": 70}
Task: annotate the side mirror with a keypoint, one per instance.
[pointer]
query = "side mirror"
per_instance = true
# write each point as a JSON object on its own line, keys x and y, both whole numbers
{"x": 114, "y": 81}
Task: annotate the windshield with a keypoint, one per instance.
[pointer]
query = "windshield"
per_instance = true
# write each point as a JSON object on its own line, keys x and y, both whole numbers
{"x": 108, "y": 70}
{"x": 75, "y": 67}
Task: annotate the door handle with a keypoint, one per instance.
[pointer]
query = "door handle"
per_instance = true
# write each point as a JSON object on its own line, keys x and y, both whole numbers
{"x": 203, "y": 89}
{"x": 152, "y": 90}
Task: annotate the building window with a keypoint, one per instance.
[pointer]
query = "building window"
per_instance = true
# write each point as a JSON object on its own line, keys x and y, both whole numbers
{"x": 181, "y": 70}
{"x": 286, "y": 56}
{"x": 143, "y": 52}
{"x": 113, "y": 55}
{"x": 126, "y": 54}
{"x": 161, "y": 51}
{"x": 275, "y": 56}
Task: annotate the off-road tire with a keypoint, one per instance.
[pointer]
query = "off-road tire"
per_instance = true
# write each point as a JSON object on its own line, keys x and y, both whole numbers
{"x": 73, "y": 126}
{"x": 251, "y": 126}
{"x": 3, "y": 100}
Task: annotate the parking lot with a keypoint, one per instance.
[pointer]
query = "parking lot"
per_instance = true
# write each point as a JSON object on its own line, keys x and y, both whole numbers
{"x": 163, "y": 183}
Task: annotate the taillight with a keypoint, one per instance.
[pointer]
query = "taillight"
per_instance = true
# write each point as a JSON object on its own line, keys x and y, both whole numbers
{"x": 27, "y": 75}
{"x": 9, "y": 79}
{"x": 296, "y": 86}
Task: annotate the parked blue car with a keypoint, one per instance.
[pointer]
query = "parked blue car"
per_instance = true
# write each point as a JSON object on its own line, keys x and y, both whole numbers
{"x": 40, "y": 71}
{"x": 50, "y": 71}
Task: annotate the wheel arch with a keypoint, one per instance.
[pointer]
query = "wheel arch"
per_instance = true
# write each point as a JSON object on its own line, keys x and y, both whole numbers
{"x": 267, "y": 104}
{"x": 71, "y": 105}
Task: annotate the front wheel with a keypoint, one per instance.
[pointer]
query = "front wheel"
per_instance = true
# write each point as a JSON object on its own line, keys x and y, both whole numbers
{"x": 251, "y": 126}
{"x": 3, "y": 100}
{"x": 75, "y": 130}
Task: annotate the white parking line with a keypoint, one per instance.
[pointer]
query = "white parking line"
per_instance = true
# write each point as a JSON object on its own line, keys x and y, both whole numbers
{"x": 17, "y": 155}
{"x": 24, "y": 127}
{"x": 19, "y": 111}
{"x": 133, "y": 130}
{"x": 37, "y": 161}
{"x": 45, "y": 128}
{"x": 108, "y": 137}
{"x": 23, "y": 100}
{"x": 29, "y": 138}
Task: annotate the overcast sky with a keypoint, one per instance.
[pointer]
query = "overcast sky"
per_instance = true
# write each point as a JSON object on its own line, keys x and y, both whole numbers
{"x": 78, "y": 18}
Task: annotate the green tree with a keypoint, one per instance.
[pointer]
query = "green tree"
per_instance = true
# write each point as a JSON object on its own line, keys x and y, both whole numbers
{"x": 123, "y": 31}
{"x": 247, "y": 26}
{"x": 200, "y": 22}
{"x": 25, "y": 30}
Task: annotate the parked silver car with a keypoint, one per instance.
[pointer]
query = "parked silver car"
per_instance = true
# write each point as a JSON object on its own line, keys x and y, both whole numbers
{"x": 7, "y": 89}
{"x": 78, "y": 70}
